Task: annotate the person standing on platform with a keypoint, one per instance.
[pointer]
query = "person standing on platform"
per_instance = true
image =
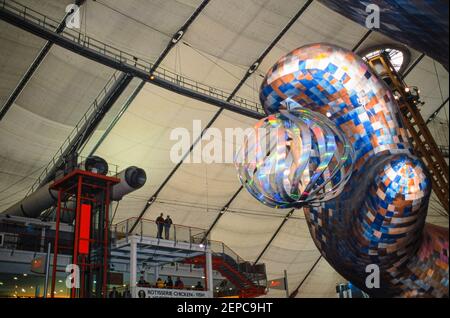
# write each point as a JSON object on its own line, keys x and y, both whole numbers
{"x": 160, "y": 224}
{"x": 167, "y": 225}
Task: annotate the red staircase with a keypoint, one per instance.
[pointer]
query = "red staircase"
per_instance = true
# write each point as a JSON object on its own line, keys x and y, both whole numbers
{"x": 242, "y": 275}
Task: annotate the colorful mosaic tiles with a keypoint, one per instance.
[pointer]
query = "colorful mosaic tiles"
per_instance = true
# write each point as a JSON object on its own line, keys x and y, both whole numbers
{"x": 378, "y": 217}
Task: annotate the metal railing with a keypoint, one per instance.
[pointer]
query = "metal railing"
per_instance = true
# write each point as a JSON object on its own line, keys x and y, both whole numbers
{"x": 127, "y": 58}
{"x": 91, "y": 110}
{"x": 33, "y": 239}
{"x": 149, "y": 228}
{"x": 255, "y": 273}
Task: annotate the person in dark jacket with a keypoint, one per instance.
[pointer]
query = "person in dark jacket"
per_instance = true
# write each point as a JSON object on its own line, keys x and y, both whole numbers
{"x": 179, "y": 283}
{"x": 169, "y": 282}
{"x": 126, "y": 293}
{"x": 114, "y": 293}
{"x": 199, "y": 286}
{"x": 167, "y": 225}
{"x": 160, "y": 225}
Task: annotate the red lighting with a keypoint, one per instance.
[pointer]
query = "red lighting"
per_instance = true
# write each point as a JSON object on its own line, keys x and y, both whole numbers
{"x": 85, "y": 229}
{"x": 275, "y": 283}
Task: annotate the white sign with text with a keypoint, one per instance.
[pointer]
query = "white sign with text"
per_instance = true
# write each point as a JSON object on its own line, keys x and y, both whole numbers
{"x": 142, "y": 292}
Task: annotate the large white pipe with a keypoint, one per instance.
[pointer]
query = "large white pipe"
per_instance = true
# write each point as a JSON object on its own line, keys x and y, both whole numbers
{"x": 35, "y": 203}
{"x": 131, "y": 179}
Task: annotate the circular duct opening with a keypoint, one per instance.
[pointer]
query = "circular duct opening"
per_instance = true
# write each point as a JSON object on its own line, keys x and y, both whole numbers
{"x": 136, "y": 177}
{"x": 398, "y": 55}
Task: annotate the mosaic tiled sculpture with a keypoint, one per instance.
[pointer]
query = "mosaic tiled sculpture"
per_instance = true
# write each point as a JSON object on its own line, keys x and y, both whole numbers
{"x": 368, "y": 205}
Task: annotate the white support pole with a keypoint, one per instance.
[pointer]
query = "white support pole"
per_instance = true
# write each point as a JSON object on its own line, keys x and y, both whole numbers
{"x": 133, "y": 266}
{"x": 209, "y": 273}
{"x": 156, "y": 272}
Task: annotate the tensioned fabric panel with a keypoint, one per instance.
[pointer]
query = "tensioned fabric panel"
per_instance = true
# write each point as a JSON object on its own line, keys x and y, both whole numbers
{"x": 223, "y": 42}
{"x": 425, "y": 78}
{"x": 55, "y": 9}
{"x": 27, "y": 143}
{"x": 321, "y": 282}
{"x": 64, "y": 86}
{"x": 375, "y": 39}
{"x": 317, "y": 24}
{"x": 293, "y": 250}
{"x": 142, "y": 138}
{"x": 204, "y": 68}
{"x": 204, "y": 187}
{"x": 139, "y": 27}
{"x": 246, "y": 232}
{"x": 18, "y": 49}
{"x": 43, "y": 116}
{"x": 94, "y": 140}
{"x": 436, "y": 213}
{"x": 239, "y": 31}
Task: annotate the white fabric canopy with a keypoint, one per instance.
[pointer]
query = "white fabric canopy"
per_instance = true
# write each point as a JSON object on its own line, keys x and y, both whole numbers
{"x": 218, "y": 48}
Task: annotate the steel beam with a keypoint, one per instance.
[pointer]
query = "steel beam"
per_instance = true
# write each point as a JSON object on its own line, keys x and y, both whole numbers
{"x": 295, "y": 292}
{"x": 85, "y": 48}
{"x": 33, "y": 67}
{"x": 249, "y": 72}
{"x": 91, "y": 124}
{"x": 436, "y": 112}
{"x": 360, "y": 42}
{"x": 286, "y": 218}
{"x": 173, "y": 42}
{"x": 413, "y": 65}
{"x": 179, "y": 34}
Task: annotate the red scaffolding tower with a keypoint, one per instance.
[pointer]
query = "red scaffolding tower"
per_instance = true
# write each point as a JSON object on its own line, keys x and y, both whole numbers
{"x": 91, "y": 193}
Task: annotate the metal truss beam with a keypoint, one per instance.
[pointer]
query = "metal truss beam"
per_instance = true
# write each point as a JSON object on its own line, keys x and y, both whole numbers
{"x": 173, "y": 42}
{"x": 109, "y": 56}
{"x": 33, "y": 67}
{"x": 85, "y": 131}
